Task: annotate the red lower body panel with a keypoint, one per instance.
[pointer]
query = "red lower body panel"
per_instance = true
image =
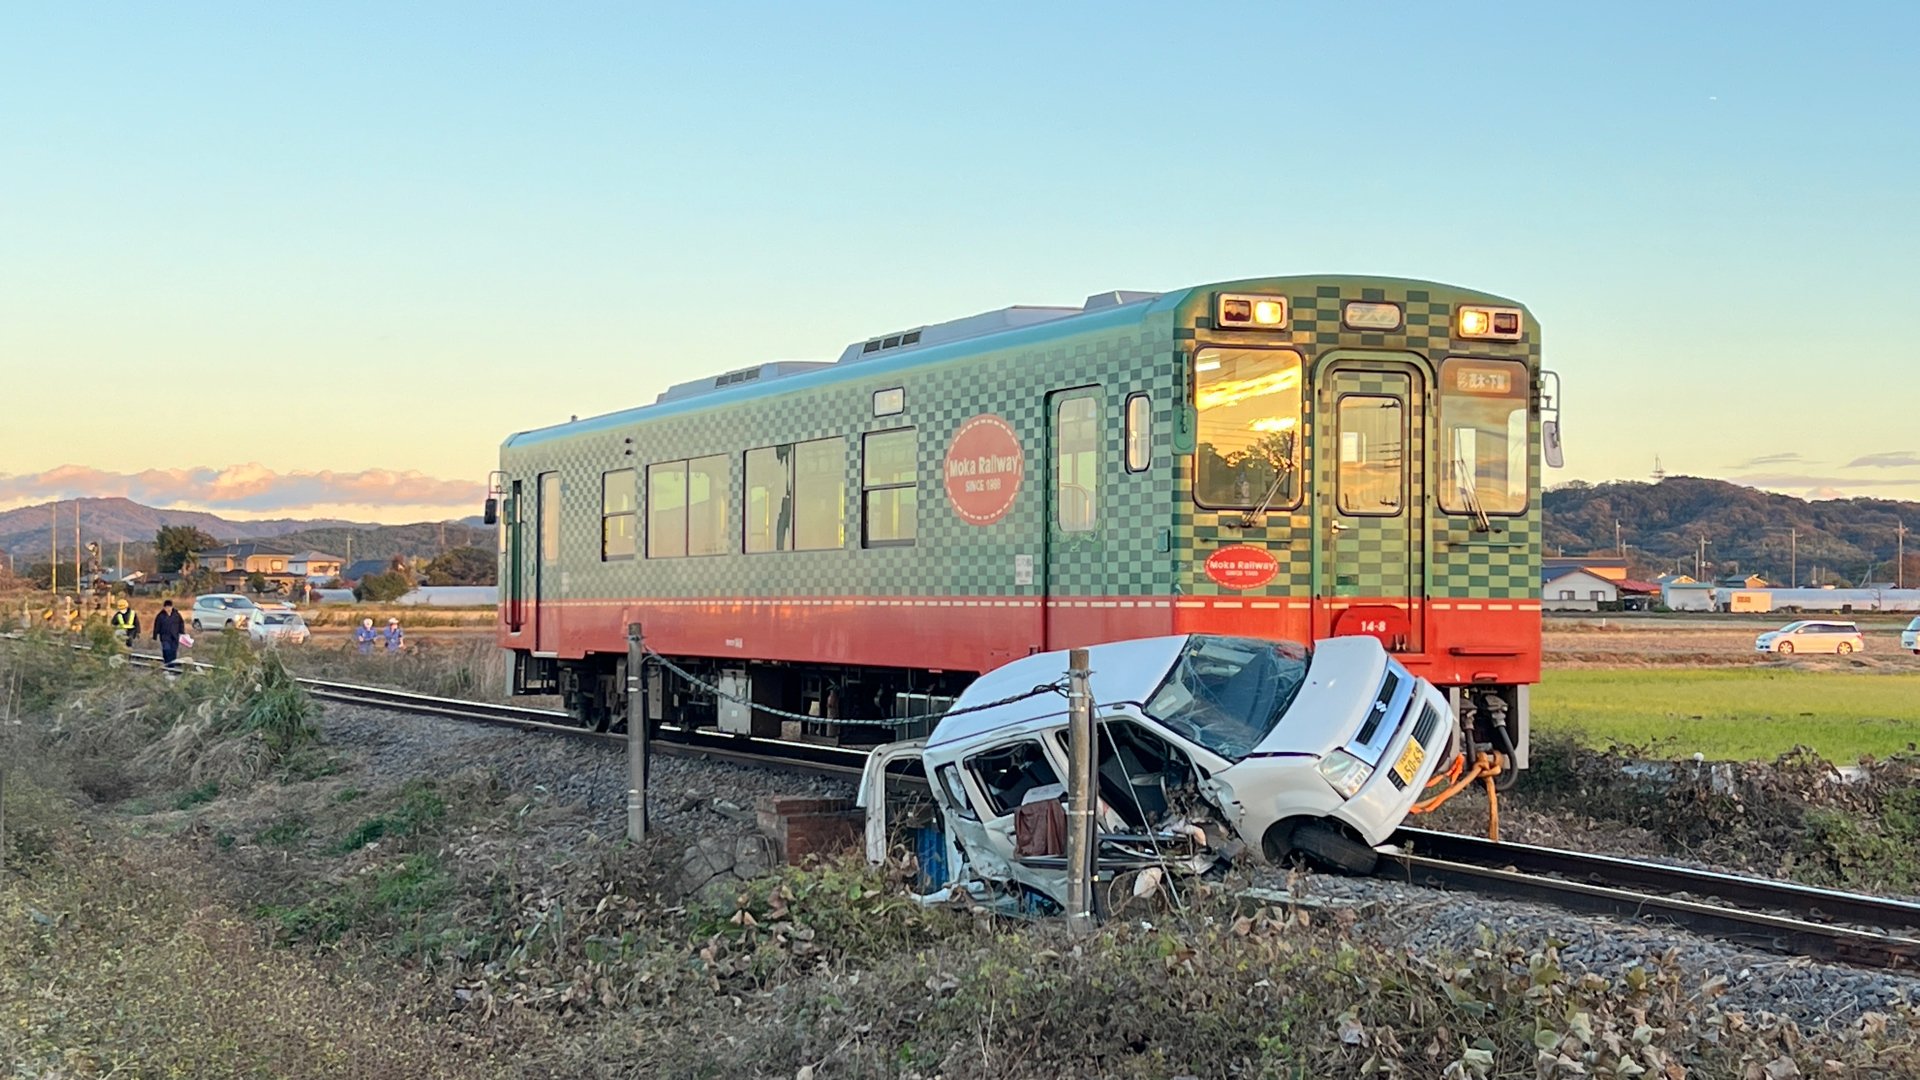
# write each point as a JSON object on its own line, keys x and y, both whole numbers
{"x": 1465, "y": 640}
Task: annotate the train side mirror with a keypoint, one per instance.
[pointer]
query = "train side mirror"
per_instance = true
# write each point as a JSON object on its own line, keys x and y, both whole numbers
{"x": 1549, "y": 406}
{"x": 491, "y": 515}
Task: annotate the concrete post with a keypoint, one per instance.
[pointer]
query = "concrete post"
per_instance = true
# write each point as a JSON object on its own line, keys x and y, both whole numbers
{"x": 636, "y": 735}
{"x": 1080, "y": 795}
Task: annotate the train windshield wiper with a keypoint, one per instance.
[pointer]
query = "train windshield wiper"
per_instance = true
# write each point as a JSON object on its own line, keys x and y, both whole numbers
{"x": 1279, "y": 477}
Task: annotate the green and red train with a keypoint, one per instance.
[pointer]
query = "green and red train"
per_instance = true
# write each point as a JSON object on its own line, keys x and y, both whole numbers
{"x": 1287, "y": 457}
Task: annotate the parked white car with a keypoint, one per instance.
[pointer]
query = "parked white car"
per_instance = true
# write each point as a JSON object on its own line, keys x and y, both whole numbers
{"x": 1208, "y": 746}
{"x": 1811, "y": 636}
{"x": 276, "y": 627}
{"x": 222, "y": 611}
{"x": 1910, "y": 637}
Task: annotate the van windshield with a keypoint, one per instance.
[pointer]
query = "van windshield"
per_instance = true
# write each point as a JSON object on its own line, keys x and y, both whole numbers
{"x": 1227, "y": 693}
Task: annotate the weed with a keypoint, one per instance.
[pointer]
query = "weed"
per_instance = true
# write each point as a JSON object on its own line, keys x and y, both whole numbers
{"x": 285, "y": 833}
{"x": 192, "y": 797}
{"x": 420, "y": 809}
{"x": 347, "y": 794}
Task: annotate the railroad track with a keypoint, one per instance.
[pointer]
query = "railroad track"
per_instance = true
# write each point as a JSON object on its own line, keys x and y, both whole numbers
{"x": 1775, "y": 916}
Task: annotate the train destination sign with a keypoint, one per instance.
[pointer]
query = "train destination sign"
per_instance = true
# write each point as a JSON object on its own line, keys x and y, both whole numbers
{"x": 1241, "y": 566}
{"x": 983, "y": 468}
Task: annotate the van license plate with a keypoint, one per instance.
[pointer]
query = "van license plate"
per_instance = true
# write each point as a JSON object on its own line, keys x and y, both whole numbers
{"x": 1410, "y": 761}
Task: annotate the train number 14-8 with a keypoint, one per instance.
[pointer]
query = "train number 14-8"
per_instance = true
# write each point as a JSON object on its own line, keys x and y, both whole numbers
{"x": 1373, "y": 626}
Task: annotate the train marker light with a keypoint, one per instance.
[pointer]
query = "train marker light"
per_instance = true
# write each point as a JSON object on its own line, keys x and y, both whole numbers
{"x": 1242, "y": 311}
{"x": 1494, "y": 323}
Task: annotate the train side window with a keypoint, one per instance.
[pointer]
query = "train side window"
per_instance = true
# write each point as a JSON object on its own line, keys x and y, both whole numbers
{"x": 820, "y": 495}
{"x": 1483, "y": 448}
{"x": 667, "y": 510}
{"x": 1076, "y": 472}
{"x": 769, "y": 499}
{"x": 796, "y": 497}
{"x": 619, "y": 509}
{"x": 707, "y": 498}
{"x": 887, "y": 488}
{"x": 1139, "y": 432}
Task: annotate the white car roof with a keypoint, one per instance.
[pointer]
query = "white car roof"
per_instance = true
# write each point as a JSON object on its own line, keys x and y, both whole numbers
{"x": 1122, "y": 671}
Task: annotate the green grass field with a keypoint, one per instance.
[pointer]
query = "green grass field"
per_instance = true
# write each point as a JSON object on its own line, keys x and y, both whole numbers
{"x": 1737, "y": 713}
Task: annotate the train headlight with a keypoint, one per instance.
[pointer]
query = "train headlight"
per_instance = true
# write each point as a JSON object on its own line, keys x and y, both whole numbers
{"x": 1347, "y": 774}
{"x": 1244, "y": 311}
{"x": 1492, "y": 323}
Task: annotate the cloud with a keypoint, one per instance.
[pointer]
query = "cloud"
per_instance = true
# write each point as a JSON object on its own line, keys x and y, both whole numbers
{"x": 1767, "y": 459}
{"x": 1893, "y": 459}
{"x": 251, "y": 487}
{"x": 1825, "y": 493}
{"x": 1781, "y": 481}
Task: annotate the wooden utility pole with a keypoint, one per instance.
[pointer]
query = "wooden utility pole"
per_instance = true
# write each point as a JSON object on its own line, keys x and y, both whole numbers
{"x": 53, "y": 565}
{"x": 1080, "y": 786}
{"x": 637, "y": 763}
{"x": 76, "y": 547}
{"x": 1900, "y": 555}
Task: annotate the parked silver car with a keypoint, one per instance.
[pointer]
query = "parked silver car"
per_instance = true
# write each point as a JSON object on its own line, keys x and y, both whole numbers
{"x": 1811, "y": 636}
{"x": 1910, "y": 637}
{"x": 1208, "y": 746}
{"x": 273, "y": 626}
{"x": 222, "y": 611}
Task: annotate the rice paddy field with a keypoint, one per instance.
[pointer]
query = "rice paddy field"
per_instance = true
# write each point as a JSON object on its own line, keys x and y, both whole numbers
{"x": 1696, "y": 687}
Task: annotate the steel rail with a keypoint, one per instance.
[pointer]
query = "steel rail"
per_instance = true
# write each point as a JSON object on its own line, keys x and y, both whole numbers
{"x": 1775, "y": 916}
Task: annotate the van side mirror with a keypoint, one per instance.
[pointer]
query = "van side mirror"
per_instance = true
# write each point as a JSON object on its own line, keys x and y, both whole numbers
{"x": 491, "y": 515}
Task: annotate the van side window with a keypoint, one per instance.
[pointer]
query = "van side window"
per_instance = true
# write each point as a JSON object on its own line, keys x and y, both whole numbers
{"x": 1008, "y": 773}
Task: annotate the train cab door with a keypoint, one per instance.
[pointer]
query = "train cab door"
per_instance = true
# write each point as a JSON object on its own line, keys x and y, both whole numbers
{"x": 546, "y": 567}
{"x": 1074, "y": 568}
{"x": 1371, "y": 499}
{"x": 513, "y": 555}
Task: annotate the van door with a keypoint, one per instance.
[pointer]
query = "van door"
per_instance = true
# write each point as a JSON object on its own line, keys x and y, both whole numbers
{"x": 1073, "y": 567}
{"x": 1371, "y": 505}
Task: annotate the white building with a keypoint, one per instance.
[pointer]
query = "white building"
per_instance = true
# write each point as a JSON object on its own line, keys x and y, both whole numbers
{"x": 1570, "y": 588}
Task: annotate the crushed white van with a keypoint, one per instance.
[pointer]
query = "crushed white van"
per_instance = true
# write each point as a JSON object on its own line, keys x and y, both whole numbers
{"x": 1207, "y": 746}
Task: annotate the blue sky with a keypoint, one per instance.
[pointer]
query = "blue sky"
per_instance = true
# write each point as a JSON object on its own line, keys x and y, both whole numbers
{"x": 333, "y": 254}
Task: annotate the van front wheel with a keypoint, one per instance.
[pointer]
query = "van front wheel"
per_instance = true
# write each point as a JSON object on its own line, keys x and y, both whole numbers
{"x": 1325, "y": 845}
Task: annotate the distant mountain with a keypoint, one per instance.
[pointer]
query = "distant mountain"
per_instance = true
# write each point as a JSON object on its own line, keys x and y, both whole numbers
{"x": 24, "y": 531}
{"x": 1747, "y": 530}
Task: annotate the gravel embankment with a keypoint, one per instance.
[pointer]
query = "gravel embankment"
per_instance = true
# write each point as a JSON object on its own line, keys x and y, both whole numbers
{"x": 589, "y": 773}
{"x": 1427, "y": 921}
{"x": 592, "y": 775}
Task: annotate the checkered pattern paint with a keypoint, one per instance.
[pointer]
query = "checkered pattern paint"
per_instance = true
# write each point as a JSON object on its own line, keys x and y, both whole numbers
{"x": 1450, "y": 559}
{"x": 1150, "y": 539}
{"x": 950, "y": 557}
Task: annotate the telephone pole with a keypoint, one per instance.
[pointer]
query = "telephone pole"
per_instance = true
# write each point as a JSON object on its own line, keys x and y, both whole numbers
{"x": 1900, "y": 555}
{"x": 53, "y": 531}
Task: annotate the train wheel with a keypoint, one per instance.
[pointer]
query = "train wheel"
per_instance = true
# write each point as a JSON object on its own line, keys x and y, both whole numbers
{"x": 1325, "y": 845}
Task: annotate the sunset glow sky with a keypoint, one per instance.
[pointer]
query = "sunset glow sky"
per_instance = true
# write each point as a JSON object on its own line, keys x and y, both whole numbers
{"x": 319, "y": 260}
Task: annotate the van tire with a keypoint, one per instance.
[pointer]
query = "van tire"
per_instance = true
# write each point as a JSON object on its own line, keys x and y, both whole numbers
{"x": 196, "y": 624}
{"x": 1784, "y": 648}
{"x": 1327, "y": 846}
{"x": 1843, "y": 648}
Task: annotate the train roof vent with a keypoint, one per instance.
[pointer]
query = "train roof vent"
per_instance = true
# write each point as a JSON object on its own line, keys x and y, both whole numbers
{"x": 778, "y": 369}
{"x": 973, "y": 326}
{"x": 1117, "y": 298}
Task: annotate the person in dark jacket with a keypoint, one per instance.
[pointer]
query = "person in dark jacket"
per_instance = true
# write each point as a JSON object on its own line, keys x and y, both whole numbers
{"x": 167, "y": 630}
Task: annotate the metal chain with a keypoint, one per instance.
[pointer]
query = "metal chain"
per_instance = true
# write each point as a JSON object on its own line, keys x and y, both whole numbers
{"x": 1049, "y": 688}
